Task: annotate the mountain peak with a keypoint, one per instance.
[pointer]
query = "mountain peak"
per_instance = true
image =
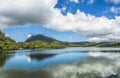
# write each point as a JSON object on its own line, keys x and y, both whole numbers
{"x": 41, "y": 37}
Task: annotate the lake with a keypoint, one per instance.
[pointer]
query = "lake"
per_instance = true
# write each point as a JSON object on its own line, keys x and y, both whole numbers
{"x": 75, "y": 62}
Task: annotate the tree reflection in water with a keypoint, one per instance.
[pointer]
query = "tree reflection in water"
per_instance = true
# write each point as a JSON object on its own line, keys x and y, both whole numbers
{"x": 3, "y": 58}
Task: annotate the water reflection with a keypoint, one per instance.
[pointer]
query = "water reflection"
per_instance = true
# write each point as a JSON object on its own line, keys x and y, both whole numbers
{"x": 3, "y": 58}
{"x": 87, "y": 68}
{"x": 40, "y": 56}
{"x": 41, "y": 61}
{"x": 62, "y": 63}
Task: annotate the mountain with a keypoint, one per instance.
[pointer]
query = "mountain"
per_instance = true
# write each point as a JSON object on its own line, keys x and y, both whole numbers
{"x": 79, "y": 44}
{"x": 34, "y": 42}
{"x": 73, "y": 44}
{"x": 41, "y": 38}
{"x": 6, "y": 42}
{"x": 106, "y": 44}
{"x": 95, "y": 44}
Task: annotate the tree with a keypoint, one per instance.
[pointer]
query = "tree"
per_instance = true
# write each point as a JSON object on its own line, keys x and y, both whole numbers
{"x": 0, "y": 48}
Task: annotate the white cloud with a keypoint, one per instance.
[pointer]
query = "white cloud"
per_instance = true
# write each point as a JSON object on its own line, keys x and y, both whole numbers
{"x": 76, "y": 1}
{"x": 115, "y": 10}
{"x": 113, "y": 1}
{"x": 23, "y": 12}
{"x": 63, "y": 8}
{"x": 7, "y": 35}
{"x": 94, "y": 39}
{"x": 29, "y": 35}
{"x": 83, "y": 23}
{"x": 111, "y": 37}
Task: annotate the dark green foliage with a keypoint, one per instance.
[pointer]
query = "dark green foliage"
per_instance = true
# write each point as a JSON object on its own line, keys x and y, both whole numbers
{"x": 6, "y": 43}
{"x": 0, "y": 48}
{"x": 39, "y": 45}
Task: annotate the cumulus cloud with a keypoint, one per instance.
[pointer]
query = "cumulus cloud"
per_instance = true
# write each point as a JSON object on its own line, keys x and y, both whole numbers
{"x": 115, "y": 10}
{"x": 95, "y": 39}
{"x": 7, "y": 35}
{"x": 29, "y": 35}
{"x": 42, "y": 12}
{"x": 113, "y": 1}
{"x": 85, "y": 24}
{"x": 106, "y": 38}
{"x": 76, "y": 1}
{"x": 21, "y": 12}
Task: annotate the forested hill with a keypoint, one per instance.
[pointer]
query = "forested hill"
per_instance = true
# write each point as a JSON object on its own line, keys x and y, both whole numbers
{"x": 6, "y": 42}
{"x": 41, "y": 38}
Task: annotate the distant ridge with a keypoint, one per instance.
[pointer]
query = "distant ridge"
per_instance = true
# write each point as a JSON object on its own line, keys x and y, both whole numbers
{"x": 73, "y": 44}
{"x": 40, "y": 37}
{"x": 44, "y": 38}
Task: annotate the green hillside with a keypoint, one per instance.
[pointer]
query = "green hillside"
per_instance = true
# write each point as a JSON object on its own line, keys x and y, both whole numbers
{"x": 6, "y": 42}
{"x": 40, "y": 45}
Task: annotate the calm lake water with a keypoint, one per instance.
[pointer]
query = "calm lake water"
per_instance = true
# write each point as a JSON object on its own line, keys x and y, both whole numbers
{"x": 61, "y": 63}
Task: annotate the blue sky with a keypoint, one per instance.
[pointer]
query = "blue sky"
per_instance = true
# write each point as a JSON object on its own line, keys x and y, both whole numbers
{"x": 98, "y": 8}
{"x": 21, "y": 33}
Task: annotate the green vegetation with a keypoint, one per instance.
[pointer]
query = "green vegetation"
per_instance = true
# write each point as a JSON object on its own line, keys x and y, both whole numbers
{"x": 0, "y": 48}
{"x": 8, "y": 44}
{"x": 39, "y": 45}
